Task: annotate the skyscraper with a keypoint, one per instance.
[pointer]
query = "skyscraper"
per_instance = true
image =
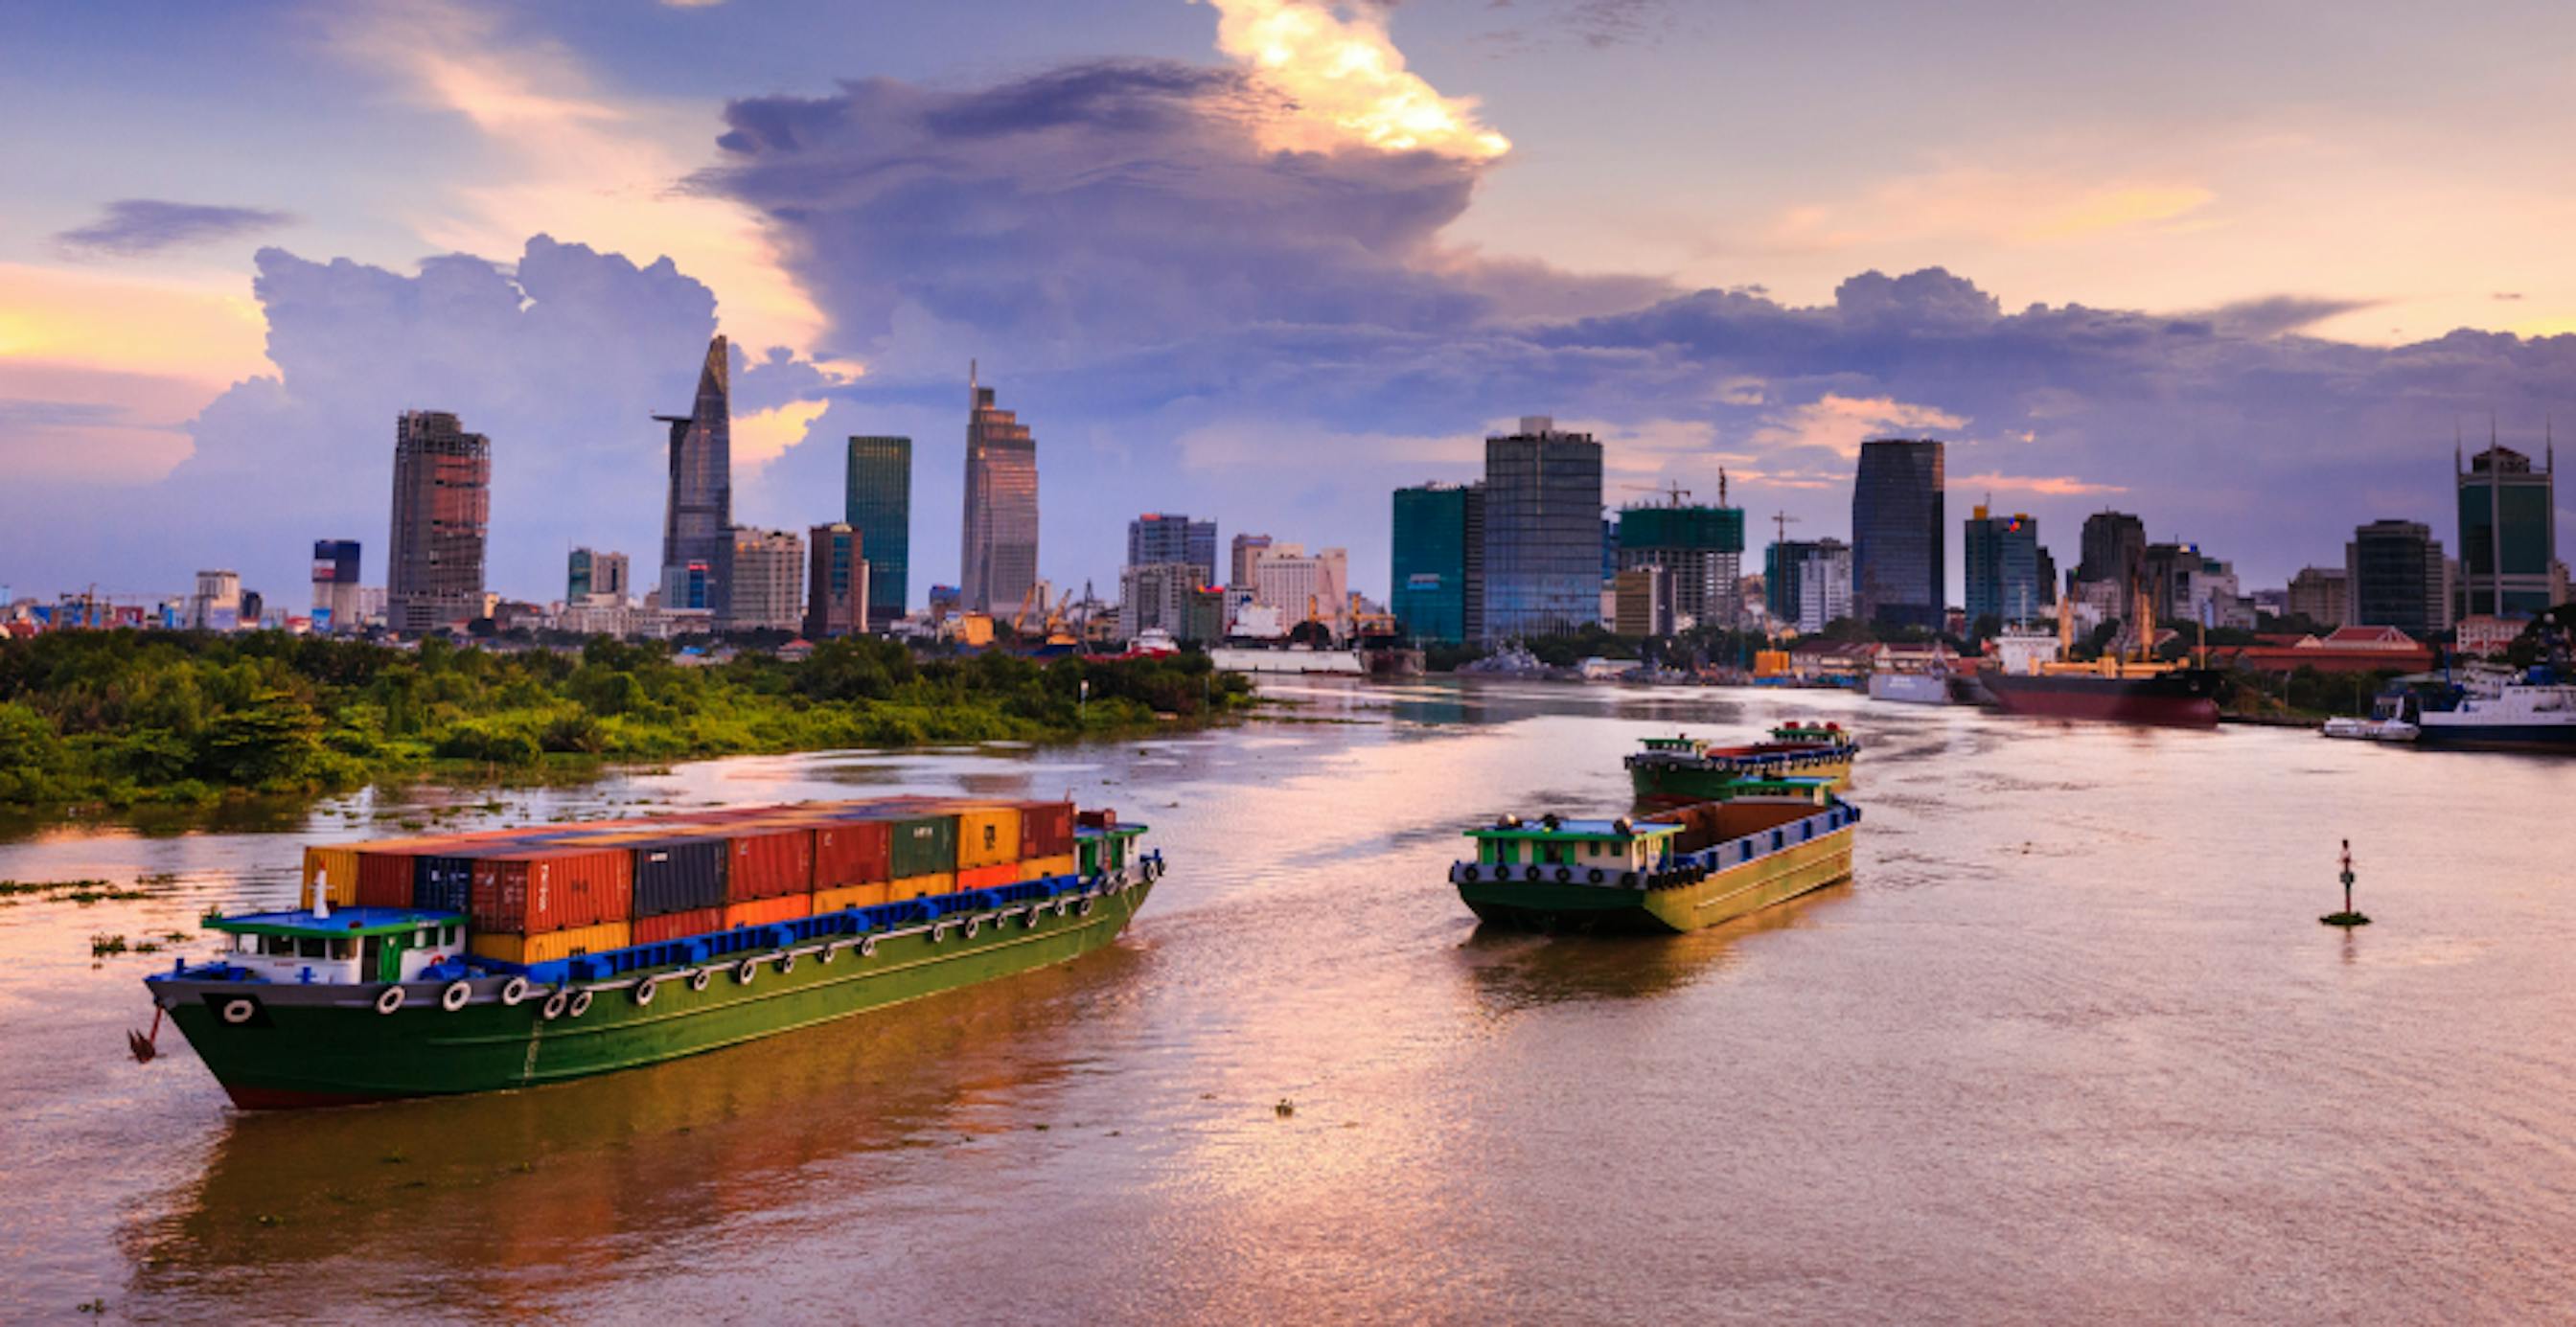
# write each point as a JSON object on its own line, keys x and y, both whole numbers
{"x": 589, "y": 573}
{"x": 2003, "y": 577}
{"x": 1171, "y": 537}
{"x": 697, "y": 519}
{"x": 335, "y": 585}
{"x": 1899, "y": 539}
{"x": 2393, "y": 577}
{"x": 1247, "y": 550}
{"x": 2508, "y": 531}
{"x": 837, "y": 582}
{"x": 879, "y": 508}
{"x": 1702, "y": 549}
{"x": 1000, "y": 557}
{"x": 1543, "y": 545}
{"x": 769, "y": 581}
{"x": 1438, "y": 536}
{"x": 442, "y": 508}
{"x": 2114, "y": 548}
{"x": 1807, "y": 584}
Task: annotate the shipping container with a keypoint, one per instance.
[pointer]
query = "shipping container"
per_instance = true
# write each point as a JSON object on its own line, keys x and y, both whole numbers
{"x": 549, "y": 946}
{"x": 923, "y": 845}
{"x": 679, "y": 875}
{"x": 852, "y": 852}
{"x": 1104, "y": 818}
{"x": 676, "y": 925}
{"x": 337, "y": 869}
{"x": 1046, "y": 829}
{"x": 762, "y": 912}
{"x": 769, "y": 863}
{"x": 552, "y": 889}
{"x": 987, "y": 835}
{"x": 442, "y": 883}
{"x": 1041, "y": 868}
{"x": 989, "y": 877}
{"x": 920, "y": 886}
{"x": 852, "y": 896}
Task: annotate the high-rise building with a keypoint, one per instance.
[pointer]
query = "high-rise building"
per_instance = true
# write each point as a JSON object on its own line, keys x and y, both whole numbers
{"x": 2114, "y": 547}
{"x": 1000, "y": 556}
{"x": 2003, "y": 577}
{"x": 1438, "y": 530}
{"x": 768, "y": 581}
{"x": 335, "y": 585}
{"x": 216, "y": 606}
{"x": 697, "y": 518}
{"x": 1702, "y": 549}
{"x": 1171, "y": 537}
{"x": 1816, "y": 583}
{"x": 2317, "y": 594}
{"x": 1543, "y": 544}
{"x": 837, "y": 581}
{"x": 1304, "y": 587}
{"x": 2164, "y": 572}
{"x": 2393, "y": 577}
{"x": 1641, "y": 604}
{"x": 1899, "y": 536}
{"x": 442, "y": 511}
{"x": 1155, "y": 596}
{"x": 592, "y": 575}
{"x": 1247, "y": 550}
{"x": 879, "y": 508}
{"x": 2508, "y": 531}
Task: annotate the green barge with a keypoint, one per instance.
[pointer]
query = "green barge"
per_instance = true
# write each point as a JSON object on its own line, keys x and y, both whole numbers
{"x": 1679, "y": 770}
{"x": 294, "y": 1015}
{"x": 1681, "y": 870}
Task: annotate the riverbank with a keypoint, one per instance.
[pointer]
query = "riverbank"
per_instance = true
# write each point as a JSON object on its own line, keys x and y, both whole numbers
{"x": 125, "y": 719}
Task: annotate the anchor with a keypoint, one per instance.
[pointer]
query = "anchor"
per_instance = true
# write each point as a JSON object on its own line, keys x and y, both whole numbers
{"x": 141, "y": 1043}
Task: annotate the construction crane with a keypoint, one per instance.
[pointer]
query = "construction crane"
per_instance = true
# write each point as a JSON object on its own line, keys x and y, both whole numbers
{"x": 1781, "y": 522}
{"x": 1673, "y": 491}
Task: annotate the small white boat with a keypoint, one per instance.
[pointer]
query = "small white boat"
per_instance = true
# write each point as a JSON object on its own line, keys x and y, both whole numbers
{"x": 2373, "y": 729}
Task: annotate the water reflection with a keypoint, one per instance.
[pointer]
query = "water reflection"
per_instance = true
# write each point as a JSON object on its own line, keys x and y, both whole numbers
{"x": 1513, "y": 970}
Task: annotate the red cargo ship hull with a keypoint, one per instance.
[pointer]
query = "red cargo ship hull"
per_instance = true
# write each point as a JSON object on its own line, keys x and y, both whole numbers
{"x": 2185, "y": 698}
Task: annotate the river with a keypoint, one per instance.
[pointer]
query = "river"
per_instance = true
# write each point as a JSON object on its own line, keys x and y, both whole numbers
{"x": 2070, "y": 1046}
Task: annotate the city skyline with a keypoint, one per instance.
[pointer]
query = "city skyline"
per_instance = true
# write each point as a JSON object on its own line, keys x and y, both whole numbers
{"x": 2005, "y": 308}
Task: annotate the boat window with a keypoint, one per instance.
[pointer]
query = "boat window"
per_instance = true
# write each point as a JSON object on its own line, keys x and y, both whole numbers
{"x": 308, "y": 947}
{"x": 371, "y": 955}
{"x": 343, "y": 948}
{"x": 450, "y": 934}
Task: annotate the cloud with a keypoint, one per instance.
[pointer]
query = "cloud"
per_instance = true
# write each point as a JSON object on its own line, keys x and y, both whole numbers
{"x": 2052, "y": 485}
{"x": 139, "y": 227}
{"x": 1346, "y": 81}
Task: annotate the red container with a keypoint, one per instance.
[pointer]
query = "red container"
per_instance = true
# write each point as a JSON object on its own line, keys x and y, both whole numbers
{"x": 384, "y": 878}
{"x": 676, "y": 925}
{"x": 853, "y": 852}
{"x": 1046, "y": 829}
{"x": 761, "y": 912}
{"x": 769, "y": 863}
{"x": 530, "y": 892}
{"x": 989, "y": 877}
{"x": 1104, "y": 818}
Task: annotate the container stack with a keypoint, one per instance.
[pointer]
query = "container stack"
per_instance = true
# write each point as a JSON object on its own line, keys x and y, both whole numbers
{"x": 542, "y": 893}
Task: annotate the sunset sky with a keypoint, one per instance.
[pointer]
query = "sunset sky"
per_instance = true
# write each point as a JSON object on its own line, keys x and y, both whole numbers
{"x": 2243, "y": 269}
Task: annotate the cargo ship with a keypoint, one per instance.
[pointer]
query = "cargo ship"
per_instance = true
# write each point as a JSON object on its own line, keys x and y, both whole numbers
{"x": 514, "y": 958}
{"x": 2530, "y": 711}
{"x": 1676, "y": 870}
{"x": 2115, "y": 687}
{"x": 1682, "y": 769}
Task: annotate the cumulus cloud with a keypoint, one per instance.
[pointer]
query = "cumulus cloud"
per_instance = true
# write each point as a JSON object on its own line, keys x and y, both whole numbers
{"x": 138, "y": 227}
{"x": 561, "y": 358}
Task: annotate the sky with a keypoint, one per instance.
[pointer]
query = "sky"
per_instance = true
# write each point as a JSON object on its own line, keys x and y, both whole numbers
{"x": 2246, "y": 270}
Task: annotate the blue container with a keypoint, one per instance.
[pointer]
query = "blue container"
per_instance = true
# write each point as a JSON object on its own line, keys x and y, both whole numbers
{"x": 443, "y": 884}
{"x": 679, "y": 875}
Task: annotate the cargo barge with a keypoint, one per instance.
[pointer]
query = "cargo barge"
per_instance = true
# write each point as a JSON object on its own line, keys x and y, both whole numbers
{"x": 505, "y": 959}
{"x": 2118, "y": 693}
{"x": 1678, "y": 870}
{"x": 1679, "y": 770}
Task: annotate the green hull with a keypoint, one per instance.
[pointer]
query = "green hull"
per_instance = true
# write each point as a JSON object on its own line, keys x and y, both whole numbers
{"x": 1662, "y": 783}
{"x": 309, "y": 1046}
{"x": 1776, "y": 877}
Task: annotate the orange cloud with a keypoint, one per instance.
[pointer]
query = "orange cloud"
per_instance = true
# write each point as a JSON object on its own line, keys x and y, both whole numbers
{"x": 2051, "y": 485}
{"x": 1841, "y": 423}
{"x": 1347, "y": 81}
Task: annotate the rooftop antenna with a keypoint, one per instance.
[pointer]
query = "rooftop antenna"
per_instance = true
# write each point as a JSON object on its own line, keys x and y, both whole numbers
{"x": 1721, "y": 486}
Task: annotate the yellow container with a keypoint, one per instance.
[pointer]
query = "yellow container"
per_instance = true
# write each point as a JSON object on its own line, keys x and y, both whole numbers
{"x": 1041, "y": 868}
{"x": 338, "y": 869}
{"x": 851, "y": 896}
{"x": 987, "y": 835}
{"x": 552, "y": 945}
{"x": 920, "y": 886}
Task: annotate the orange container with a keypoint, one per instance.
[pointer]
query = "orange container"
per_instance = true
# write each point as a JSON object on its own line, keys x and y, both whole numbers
{"x": 528, "y": 893}
{"x": 1041, "y": 868}
{"x": 988, "y": 834}
{"x": 989, "y": 877}
{"x": 852, "y": 896}
{"x": 762, "y": 912}
{"x": 675, "y": 925}
{"x": 921, "y": 886}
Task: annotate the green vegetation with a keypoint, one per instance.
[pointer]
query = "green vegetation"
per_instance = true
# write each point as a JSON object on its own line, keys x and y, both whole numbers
{"x": 124, "y": 718}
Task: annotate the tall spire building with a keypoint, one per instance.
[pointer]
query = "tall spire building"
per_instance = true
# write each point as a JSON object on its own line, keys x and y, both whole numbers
{"x": 999, "y": 561}
{"x": 697, "y": 522}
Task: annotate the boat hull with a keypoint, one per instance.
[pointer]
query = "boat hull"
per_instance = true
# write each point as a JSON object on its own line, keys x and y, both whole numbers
{"x": 2185, "y": 699}
{"x": 1676, "y": 783}
{"x": 1776, "y": 877}
{"x": 2557, "y": 737}
{"x": 1910, "y": 688}
{"x": 315, "y": 1045}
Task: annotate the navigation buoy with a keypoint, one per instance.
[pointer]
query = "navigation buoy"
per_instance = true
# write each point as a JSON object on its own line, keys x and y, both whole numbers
{"x": 2347, "y": 917}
